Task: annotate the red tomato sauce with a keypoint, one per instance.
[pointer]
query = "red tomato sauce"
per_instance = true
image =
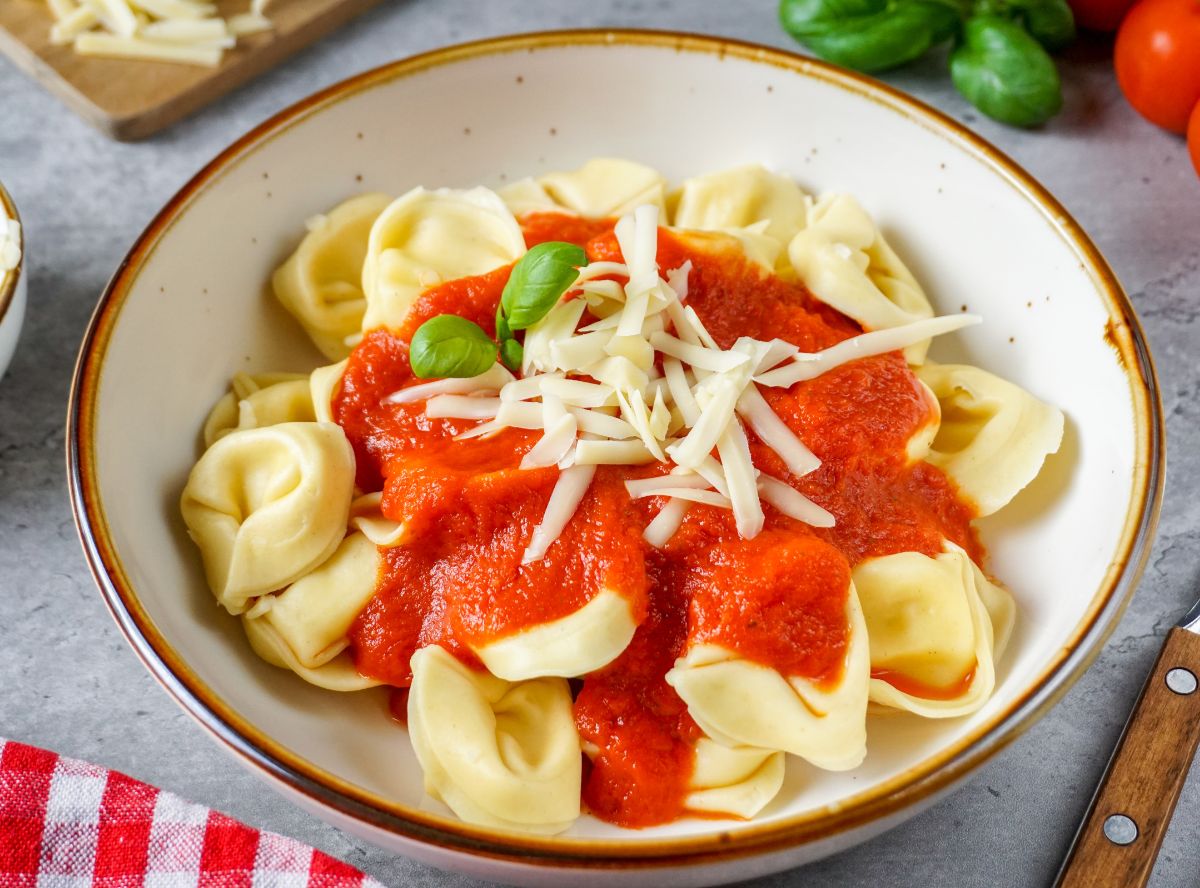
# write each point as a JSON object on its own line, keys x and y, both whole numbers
{"x": 778, "y": 599}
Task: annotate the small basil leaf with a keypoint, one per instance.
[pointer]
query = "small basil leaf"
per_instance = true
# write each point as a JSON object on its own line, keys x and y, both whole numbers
{"x": 511, "y": 353}
{"x": 1005, "y": 73}
{"x": 503, "y": 331}
{"x": 900, "y": 33}
{"x": 450, "y": 346}
{"x": 537, "y": 281}
{"x": 1051, "y": 22}
{"x": 805, "y": 18}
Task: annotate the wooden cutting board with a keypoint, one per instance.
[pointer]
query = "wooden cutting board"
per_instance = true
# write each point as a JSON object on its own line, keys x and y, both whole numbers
{"x": 131, "y": 100}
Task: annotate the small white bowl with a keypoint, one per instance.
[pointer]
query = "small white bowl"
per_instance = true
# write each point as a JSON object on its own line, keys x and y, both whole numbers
{"x": 12, "y": 293}
{"x": 189, "y": 307}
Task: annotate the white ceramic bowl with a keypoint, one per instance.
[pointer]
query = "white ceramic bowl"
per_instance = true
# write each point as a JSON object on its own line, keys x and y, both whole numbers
{"x": 189, "y": 307}
{"x": 12, "y": 294}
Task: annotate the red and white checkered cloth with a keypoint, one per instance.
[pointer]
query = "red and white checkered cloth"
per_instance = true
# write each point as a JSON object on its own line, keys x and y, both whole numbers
{"x": 68, "y": 824}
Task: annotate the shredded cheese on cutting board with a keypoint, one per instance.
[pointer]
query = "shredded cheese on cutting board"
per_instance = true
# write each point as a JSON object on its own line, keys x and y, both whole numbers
{"x": 599, "y": 398}
{"x": 182, "y": 31}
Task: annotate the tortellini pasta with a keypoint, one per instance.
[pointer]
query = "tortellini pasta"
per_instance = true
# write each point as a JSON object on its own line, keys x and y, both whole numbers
{"x": 321, "y": 283}
{"x": 844, "y": 260}
{"x": 366, "y": 515}
{"x": 427, "y": 237}
{"x": 937, "y": 627}
{"x": 526, "y": 196}
{"x": 607, "y": 187}
{"x": 574, "y": 645}
{"x": 313, "y": 615}
{"x": 266, "y": 506}
{"x": 746, "y": 199}
{"x": 741, "y": 703}
{"x": 498, "y": 754}
{"x": 258, "y": 401}
{"x": 338, "y": 674}
{"x": 324, "y": 383}
{"x": 922, "y": 440}
{"x": 738, "y": 781}
{"x": 761, "y": 249}
{"x": 993, "y": 436}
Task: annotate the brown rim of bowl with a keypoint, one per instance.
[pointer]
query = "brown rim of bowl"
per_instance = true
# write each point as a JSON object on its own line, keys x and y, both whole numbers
{"x": 8, "y": 283}
{"x": 933, "y": 775}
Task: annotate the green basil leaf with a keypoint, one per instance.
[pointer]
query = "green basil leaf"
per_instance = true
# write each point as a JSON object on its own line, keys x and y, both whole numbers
{"x": 946, "y": 22}
{"x": 450, "y": 346}
{"x": 537, "y": 281}
{"x": 503, "y": 331}
{"x": 804, "y": 18}
{"x": 1005, "y": 73}
{"x": 1051, "y": 22}
{"x": 899, "y": 33}
{"x": 511, "y": 353}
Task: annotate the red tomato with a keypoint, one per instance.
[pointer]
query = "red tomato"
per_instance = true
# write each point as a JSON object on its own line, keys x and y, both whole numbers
{"x": 1157, "y": 57}
{"x": 1194, "y": 137}
{"x": 1099, "y": 15}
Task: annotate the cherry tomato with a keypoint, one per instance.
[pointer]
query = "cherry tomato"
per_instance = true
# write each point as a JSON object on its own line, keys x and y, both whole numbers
{"x": 1099, "y": 15}
{"x": 1157, "y": 58}
{"x": 1194, "y": 137}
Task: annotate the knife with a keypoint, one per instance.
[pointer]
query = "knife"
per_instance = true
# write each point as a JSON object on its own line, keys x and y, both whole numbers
{"x": 1118, "y": 842}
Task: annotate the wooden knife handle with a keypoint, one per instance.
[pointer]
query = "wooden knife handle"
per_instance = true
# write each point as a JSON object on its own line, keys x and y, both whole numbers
{"x": 1119, "y": 840}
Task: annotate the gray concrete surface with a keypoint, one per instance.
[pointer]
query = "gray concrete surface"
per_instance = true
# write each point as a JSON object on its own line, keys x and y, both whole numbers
{"x": 69, "y": 682}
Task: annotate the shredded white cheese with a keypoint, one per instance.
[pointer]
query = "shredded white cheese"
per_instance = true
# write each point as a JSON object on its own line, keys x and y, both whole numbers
{"x": 879, "y": 342}
{"x": 613, "y": 453}
{"x": 561, "y": 429}
{"x": 792, "y": 502}
{"x": 494, "y": 379}
{"x": 462, "y": 407}
{"x": 568, "y": 493}
{"x": 62, "y": 8}
{"x": 114, "y": 46}
{"x": 598, "y": 396}
{"x": 248, "y": 23}
{"x": 708, "y": 497}
{"x": 72, "y": 24}
{"x": 183, "y": 31}
{"x": 660, "y": 530}
{"x": 742, "y": 479}
{"x": 656, "y": 485}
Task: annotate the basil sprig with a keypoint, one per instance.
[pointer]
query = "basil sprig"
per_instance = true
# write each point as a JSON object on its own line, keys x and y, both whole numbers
{"x": 450, "y": 346}
{"x": 999, "y": 63}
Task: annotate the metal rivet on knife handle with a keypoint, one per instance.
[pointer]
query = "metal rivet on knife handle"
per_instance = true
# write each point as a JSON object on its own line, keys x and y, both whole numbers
{"x": 1181, "y": 681}
{"x": 1120, "y": 830}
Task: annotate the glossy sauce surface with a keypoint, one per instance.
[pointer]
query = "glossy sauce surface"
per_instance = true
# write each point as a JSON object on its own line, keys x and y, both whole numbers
{"x": 778, "y": 599}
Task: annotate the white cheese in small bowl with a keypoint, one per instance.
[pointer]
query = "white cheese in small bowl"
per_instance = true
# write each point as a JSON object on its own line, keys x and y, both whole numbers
{"x": 12, "y": 282}
{"x": 10, "y": 245}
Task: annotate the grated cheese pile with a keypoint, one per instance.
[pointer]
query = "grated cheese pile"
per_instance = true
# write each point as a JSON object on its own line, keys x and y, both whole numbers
{"x": 10, "y": 244}
{"x": 599, "y": 397}
{"x": 185, "y": 31}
